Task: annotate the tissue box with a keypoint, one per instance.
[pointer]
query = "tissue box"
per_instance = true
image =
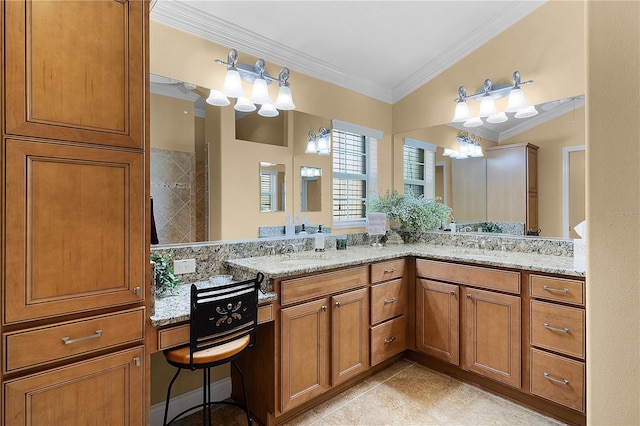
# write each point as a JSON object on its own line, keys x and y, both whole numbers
{"x": 579, "y": 250}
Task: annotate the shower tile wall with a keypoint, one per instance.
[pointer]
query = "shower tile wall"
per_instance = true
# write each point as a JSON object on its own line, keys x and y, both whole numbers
{"x": 178, "y": 188}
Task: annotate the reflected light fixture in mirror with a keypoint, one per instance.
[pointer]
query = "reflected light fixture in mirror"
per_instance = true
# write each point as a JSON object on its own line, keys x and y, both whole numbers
{"x": 487, "y": 97}
{"x": 469, "y": 147}
{"x": 259, "y": 78}
{"x": 310, "y": 189}
{"x": 319, "y": 143}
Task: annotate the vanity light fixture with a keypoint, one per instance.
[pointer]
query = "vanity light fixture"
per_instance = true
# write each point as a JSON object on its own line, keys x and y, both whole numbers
{"x": 260, "y": 79}
{"x": 310, "y": 171}
{"x": 487, "y": 97}
{"x": 319, "y": 143}
{"x": 469, "y": 147}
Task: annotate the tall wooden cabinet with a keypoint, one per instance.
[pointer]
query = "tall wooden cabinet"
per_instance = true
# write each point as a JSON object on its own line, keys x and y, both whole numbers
{"x": 75, "y": 247}
{"x": 512, "y": 184}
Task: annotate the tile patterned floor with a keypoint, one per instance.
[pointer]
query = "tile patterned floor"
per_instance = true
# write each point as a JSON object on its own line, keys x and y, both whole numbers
{"x": 403, "y": 394}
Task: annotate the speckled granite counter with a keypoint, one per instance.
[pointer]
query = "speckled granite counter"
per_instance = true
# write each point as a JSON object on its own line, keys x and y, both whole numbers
{"x": 175, "y": 308}
{"x": 308, "y": 262}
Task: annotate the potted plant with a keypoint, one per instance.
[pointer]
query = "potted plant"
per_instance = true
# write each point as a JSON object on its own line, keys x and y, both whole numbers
{"x": 166, "y": 281}
{"x": 413, "y": 213}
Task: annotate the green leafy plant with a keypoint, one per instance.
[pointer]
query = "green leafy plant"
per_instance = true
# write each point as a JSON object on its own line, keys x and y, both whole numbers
{"x": 414, "y": 213}
{"x": 166, "y": 281}
{"x": 491, "y": 227}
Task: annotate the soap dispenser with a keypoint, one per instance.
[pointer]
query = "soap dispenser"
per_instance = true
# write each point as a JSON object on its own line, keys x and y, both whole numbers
{"x": 319, "y": 242}
{"x": 302, "y": 231}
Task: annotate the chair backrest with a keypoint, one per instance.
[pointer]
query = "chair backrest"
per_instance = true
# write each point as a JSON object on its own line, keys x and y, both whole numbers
{"x": 223, "y": 313}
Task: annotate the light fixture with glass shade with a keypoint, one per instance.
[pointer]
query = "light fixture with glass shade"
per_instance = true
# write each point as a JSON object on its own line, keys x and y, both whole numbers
{"x": 487, "y": 96}
{"x": 319, "y": 143}
{"x": 260, "y": 79}
{"x": 469, "y": 147}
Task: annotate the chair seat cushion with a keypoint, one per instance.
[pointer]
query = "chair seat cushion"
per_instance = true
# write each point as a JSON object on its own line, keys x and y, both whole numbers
{"x": 207, "y": 356}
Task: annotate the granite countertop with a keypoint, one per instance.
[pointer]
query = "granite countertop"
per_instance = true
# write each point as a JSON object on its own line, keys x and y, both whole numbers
{"x": 175, "y": 308}
{"x": 279, "y": 266}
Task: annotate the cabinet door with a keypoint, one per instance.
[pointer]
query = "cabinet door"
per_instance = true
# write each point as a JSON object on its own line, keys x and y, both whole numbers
{"x": 349, "y": 335}
{"x": 76, "y": 70}
{"x": 437, "y": 320}
{"x": 304, "y": 352}
{"x": 74, "y": 229}
{"x": 492, "y": 344}
{"x": 103, "y": 391}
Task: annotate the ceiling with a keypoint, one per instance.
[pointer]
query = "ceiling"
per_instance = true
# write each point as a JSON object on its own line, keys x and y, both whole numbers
{"x": 381, "y": 49}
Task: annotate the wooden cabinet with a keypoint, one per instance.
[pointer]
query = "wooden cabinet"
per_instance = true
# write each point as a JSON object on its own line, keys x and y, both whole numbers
{"x": 438, "y": 320}
{"x": 557, "y": 339}
{"x": 104, "y": 390}
{"x": 323, "y": 342}
{"x": 492, "y": 335}
{"x": 75, "y": 250}
{"x": 485, "y": 325}
{"x": 512, "y": 184}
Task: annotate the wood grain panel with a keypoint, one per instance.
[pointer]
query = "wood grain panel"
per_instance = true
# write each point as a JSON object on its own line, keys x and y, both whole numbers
{"x": 116, "y": 329}
{"x": 564, "y": 331}
{"x": 388, "y": 339}
{"x": 564, "y": 382}
{"x": 75, "y": 226}
{"x": 82, "y": 82}
{"x": 349, "y": 335}
{"x": 387, "y": 300}
{"x": 438, "y": 320}
{"x": 557, "y": 289}
{"x": 470, "y": 275}
{"x": 317, "y": 285}
{"x": 384, "y": 271}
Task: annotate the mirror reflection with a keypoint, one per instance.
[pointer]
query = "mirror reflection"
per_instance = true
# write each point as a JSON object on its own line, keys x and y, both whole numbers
{"x": 272, "y": 187}
{"x": 310, "y": 189}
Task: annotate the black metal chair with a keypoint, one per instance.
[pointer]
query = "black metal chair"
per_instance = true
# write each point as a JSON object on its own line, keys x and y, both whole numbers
{"x": 223, "y": 323}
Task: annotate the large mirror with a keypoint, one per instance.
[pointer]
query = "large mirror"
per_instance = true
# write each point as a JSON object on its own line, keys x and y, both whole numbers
{"x": 559, "y": 133}
{"x": 272, "y": 187}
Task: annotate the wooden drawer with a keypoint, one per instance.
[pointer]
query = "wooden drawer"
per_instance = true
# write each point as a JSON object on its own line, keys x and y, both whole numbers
{"x": 305, "y": 288}
{"x": 559, "y": 379}
{"x": 558, "y": 328}
{"x": 179, "y": 335}
{"x": 387, "y": 300}
{"x": 384, "y": 271}
{"x": 560, "y": 289}
{"x": 469, "y": 275}
{"x": 388, "y": 339}
{"x": 36, "y": 346}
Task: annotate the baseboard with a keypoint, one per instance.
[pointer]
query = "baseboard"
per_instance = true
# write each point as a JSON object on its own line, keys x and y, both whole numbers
{"x": 220, "y": 389}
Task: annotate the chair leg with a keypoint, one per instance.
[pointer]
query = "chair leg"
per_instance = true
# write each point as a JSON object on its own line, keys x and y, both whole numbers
{"x": 166, "y": 404}
{"x": 244, "y": 393}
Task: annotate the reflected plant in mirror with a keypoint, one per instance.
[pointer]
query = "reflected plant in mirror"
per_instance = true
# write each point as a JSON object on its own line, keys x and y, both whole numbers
{"x": 272, "y": 187}
{"x": 310, "y": 189}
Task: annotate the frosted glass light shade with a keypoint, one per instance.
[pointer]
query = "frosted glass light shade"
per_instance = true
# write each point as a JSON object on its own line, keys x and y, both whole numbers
{"x": 216, "y": 98}
{"x": 232, "y": 84}
{"x": 284, "y": 100}
{"x": 529, "y": 111}
{"x": 244, "y": 105}
{"x": 260, "y": 92}
{"x": 311, "y": 147}
{"x": 449, "y": 152}
{"x": 473, "y": 122}
{"x": 324, "y": 146}
{"x": 499, "y": 117}
{"x": 462, "y": 112}
{"x": 268, "y": 110}
{"x": 517, "y": 101}
{"x": 476, "y": 151}
{"x": 487, "y": 106}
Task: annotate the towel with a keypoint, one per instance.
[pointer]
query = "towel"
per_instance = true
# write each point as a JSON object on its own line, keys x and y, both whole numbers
{"x": 376, "y": 223}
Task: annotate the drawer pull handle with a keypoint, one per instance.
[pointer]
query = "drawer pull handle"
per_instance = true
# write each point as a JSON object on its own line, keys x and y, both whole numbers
{"x": 393, "y": 299}
{"x": 390, "y": 340}
{"x": 557, "y": 290}
{"x": 553, "y": 379}
{"x": 561, "y": 330}
{"x": 68, "y": 341}
{"x": 389, "y": 271}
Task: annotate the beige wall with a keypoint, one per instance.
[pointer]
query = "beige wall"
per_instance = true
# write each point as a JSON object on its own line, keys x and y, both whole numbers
{"x": 170, "y": 127}
{"x": 613, "y": 212}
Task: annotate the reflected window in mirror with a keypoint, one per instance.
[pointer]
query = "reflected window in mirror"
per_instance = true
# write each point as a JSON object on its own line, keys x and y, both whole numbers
{"x": 419, "y": 168}
{"x": 272, "y": 187}
{"x": 310, "y": 185}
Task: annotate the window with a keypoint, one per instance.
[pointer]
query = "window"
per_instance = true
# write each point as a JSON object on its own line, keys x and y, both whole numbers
{"x": 268, "y": 191}
{"x": 354, "y": 172}
{"x": 419, "y": 168}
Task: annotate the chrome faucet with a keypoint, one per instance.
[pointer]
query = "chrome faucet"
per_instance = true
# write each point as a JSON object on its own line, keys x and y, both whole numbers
{"x": 288, "y": 248}
{"x": 271, "y": 248}
{"x": 466, "y": 229}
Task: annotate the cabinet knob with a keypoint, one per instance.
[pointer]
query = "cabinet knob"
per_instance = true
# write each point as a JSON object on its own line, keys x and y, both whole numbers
{"x": 468, "y": 296}
{"x": 324, "y": 308}
{"x": 453, "y": 293}
{"x": 136, "y": 361}
{"x": 136, "y": 291}
{"x": 337, "y": 304}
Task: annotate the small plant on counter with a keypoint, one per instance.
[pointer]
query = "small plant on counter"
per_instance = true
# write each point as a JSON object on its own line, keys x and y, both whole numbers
{"x": 491, "y": 227}
{"x": 166, "y": 281}
{"x": 414, "y": 213}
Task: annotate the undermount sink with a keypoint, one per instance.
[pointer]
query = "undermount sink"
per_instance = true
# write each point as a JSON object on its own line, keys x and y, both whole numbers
{"x": 303, "y": 259}
{"x": 479, "y": 252}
